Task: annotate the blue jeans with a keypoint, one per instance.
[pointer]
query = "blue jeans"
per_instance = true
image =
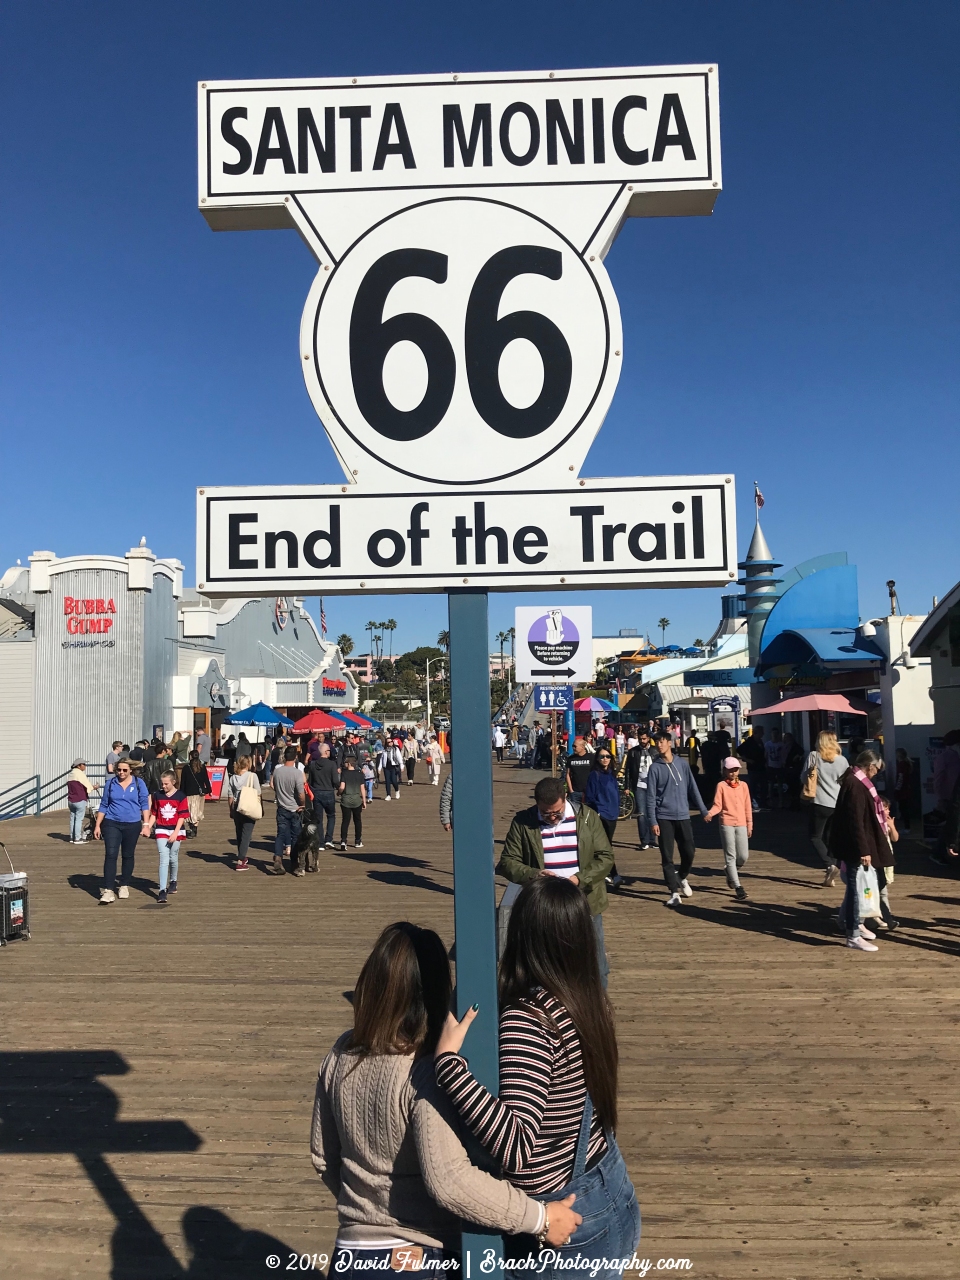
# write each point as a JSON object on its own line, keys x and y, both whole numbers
{"x": 391, "y": 778}
{"x": 610, "y": 1228}
{"x": 78, "y": 809}
{"x": 368, "y": 787}
{"x": 850, "y": 907}
{"x": 644, "y": 834}
{"x": 325, "y": 809}
{"x": 289, "y": 824}
{"x": 169, "y": 851}
{"x": 119, "y": 838}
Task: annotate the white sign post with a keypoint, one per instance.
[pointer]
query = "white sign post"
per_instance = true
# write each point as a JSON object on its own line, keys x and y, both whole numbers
{"x": 461, "y": 344}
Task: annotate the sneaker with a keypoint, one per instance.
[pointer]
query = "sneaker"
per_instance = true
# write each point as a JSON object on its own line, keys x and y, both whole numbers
{"x": 685, "y": 889}
{"x": 358, "y": 845}
{"x": 865, "y": 933}
{"x": 106, "y": 897}
{"x": 643, "y": 847}
{"x": 756, "y": 807}
{"x": 173, "y": 887}
{"x": 162, "y": 897}
{"x": 243, "y": 864}
{"x": 343, "y": 844}
{"x": 299, "y": 872}
{"x": 387, "y": 798}
{"x": 329, "y": 845}
{"x": 880, "y": 924}
{"x": 278, "y": 869}
{"x": 614, "y": 882}
{"x": 674, "y": 900}
{"x": 123, "y": 892}
{"x": 861, "y": 944}
{"x": 740, "y": 893}
{"x": 830, "y": 877}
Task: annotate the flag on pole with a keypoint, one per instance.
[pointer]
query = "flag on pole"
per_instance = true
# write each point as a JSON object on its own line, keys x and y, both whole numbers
{"x": 323, "y": 619}
{"x": 757, "y": 495}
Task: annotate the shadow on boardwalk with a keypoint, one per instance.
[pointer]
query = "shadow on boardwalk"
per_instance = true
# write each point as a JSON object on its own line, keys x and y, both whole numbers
{"x": 56, "y": 1104}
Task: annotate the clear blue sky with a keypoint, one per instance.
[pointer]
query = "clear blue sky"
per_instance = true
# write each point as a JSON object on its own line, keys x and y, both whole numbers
{"x": 804, "y": 336}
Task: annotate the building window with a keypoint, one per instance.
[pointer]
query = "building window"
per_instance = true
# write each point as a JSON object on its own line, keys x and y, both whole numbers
{"x": 293, "y": 693}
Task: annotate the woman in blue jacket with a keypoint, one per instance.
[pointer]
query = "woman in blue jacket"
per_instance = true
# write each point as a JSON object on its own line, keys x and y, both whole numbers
{"x": 124, "y": 816}
{"x": 603, "y": 796}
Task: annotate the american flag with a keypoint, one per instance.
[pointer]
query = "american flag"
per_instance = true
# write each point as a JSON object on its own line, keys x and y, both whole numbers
{"x": 323, "y": 619}
{"x": 757, "y": 495}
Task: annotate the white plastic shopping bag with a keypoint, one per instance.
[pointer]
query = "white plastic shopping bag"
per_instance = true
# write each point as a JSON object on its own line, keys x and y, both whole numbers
{"x": 868, "y": 891}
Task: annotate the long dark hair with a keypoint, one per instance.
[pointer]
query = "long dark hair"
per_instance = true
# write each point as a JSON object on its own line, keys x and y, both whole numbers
{"x": 402, "y": 996}
{"x": 551, "y": 943}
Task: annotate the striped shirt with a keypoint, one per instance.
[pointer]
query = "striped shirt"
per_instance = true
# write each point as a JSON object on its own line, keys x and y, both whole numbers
{"x": 532, "y": 1128}
{"x": 560, "y": 845}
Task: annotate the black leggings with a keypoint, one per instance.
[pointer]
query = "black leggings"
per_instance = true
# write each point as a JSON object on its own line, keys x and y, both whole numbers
{"x": 610, "y": 827}
{"x": 345, "y": 823}
{"x": 821, "y": 817}
{"x": 411, "y": 766}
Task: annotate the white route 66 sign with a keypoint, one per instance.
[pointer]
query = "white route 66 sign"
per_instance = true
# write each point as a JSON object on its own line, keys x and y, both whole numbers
{"x": 462, "y": 333}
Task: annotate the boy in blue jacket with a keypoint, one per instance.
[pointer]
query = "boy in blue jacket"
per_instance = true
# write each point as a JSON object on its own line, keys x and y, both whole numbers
{"x": 671, "y": 794}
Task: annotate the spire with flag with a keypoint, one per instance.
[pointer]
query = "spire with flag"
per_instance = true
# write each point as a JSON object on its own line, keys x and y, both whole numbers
{"x": 757, "y": 498}
{"x": 323, "y": 620}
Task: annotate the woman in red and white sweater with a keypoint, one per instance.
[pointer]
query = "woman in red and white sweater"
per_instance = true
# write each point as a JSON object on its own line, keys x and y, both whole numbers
{"x": 732, "y": 802}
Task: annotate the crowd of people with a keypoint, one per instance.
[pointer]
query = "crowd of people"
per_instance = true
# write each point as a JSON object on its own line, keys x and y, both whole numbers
{"x": 158, "y": 789}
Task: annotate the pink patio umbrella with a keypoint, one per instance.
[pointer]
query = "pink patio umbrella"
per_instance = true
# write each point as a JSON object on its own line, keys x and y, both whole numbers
{"x": 810, "y": 702}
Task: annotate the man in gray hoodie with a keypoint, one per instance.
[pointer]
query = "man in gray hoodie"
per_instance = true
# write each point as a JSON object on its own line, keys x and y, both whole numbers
{"x": 671, "y": 794}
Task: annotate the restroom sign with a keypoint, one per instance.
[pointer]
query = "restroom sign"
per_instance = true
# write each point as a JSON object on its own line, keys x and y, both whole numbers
{"x": 462, "y": 336}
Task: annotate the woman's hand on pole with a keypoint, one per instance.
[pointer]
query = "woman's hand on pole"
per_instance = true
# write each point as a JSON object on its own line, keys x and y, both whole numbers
{"x": 454, "y": 1033}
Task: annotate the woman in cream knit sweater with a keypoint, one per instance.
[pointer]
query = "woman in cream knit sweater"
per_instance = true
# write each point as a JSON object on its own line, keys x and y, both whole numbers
{"x": 385, "y": 1138}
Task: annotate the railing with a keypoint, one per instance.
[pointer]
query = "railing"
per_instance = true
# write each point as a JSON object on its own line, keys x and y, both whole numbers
{"x": 31, "y": 796}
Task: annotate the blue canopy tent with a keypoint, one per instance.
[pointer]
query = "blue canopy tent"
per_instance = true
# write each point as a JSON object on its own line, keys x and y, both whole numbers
{"x": 258, "y": 714}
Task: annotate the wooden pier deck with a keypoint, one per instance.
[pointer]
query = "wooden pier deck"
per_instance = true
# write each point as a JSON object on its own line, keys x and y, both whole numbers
{"x": 789, "y": 1108}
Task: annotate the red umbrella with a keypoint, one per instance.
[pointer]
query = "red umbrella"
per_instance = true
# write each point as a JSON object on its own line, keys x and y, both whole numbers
{"x": 809, "y": 702}
{"x": 315, "y": 720}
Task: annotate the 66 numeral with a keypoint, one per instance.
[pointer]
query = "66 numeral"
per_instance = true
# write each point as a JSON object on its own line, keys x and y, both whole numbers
{"x": 485, "y": 337}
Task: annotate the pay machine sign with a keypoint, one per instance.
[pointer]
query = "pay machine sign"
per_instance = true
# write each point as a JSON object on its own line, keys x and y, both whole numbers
{"x": 554, "y": 644}
{"x": 462, "y": 332}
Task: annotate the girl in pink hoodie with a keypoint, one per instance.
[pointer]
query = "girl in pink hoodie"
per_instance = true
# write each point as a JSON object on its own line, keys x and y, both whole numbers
{"x": 732, "y": 802}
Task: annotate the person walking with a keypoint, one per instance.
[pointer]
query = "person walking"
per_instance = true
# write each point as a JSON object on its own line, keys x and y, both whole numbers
{"x": 579, "y": 768}
{"x": 639, "y": 759}
{"x": 731, "y": 801}
{"x": 323, "y": 779}
{"x": 169, "y": 812}
{"x": 885, "y": 871}
{"x": 287, "y": 784}
{"x": 822, "y": 775}
{"x": 122, "y": 818}
{"x": 113, "y": 755}
{"x": 559, "y": 838}
{"x": 79, "y": 790}
{"x": 352, "y": 803}
{"x": 385, "y": 1137}
{"x": 434, "y": 758}
{"x": 602, "y": 795}
{"x": 499, "y": 742}
{"x": 551, "y": 1128}
{"x": 411, "y": 754}
{"x": 203, "y": 745}
{"x": 752, "y": 751}
{"x": 391, "y": 762}
{"x": 857, "y": 837}
{"x": 195, "y": 785}
{"x": 671, "y": 794}
{"x": 244, "y": 797}
{"x": 179, "y": 751}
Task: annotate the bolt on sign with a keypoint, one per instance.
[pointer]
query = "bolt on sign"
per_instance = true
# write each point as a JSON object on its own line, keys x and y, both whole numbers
{"x": 461, "y": 342}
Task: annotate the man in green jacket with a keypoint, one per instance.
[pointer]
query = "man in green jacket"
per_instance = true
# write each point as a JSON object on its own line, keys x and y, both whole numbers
{"x": 558, "y": 837}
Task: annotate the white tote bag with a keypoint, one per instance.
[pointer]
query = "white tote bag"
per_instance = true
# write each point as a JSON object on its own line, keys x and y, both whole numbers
{"x": 868, "y": 891}
{"x": 248, "y": 800}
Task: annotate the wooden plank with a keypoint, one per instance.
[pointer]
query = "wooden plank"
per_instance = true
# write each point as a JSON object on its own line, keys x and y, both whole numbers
{"x": 787, "y": 1107}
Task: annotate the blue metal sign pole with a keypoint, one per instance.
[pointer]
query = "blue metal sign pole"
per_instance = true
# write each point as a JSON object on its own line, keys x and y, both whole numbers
{"x": 474, "y": 904}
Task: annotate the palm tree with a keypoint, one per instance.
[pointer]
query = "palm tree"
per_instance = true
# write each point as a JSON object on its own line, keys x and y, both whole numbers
{"x": 345, "y": 644}
{"x": 443, "y": 640}
{"x": 502, "y": 637}
{"x": 371, "y": 627}
{"x": 391, "y": 626}
{"x": 512, "y": 633}
{"x": 663, "y": 624}
{"x": 699, "y": 644}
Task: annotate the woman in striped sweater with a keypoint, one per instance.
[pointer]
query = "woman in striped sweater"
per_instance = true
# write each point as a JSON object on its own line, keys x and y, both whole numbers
{"x": 552, "y": 1126}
